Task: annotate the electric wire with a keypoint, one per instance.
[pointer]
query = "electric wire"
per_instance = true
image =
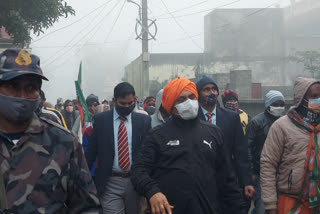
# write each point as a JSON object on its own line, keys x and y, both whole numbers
{"x": 64, "y": 27}
{"x": 182, "y": 9}
{"x": 72, "y": 39}
{"x": 222, "y": 26}
{"x": 95, "y": 32}
{"x": 202, "y": 11}
{"x": 249, "y": 15}
{"x": 180, "y": 39}
{"x": 86, "y": 44}
{"x": 188, "y": 36}
{"x": 181, "y": 27}
{"x": 114, "y": 23}
{"x": 82, "y": 38}
{"x": 87, "y": 34}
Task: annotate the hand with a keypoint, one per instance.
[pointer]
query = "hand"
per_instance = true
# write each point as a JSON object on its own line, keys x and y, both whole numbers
{"x": 159, "y": 204}
{"x": 314, "y": 107}
{"x": 271, "y": 211}
{"x": 249, "y": 191}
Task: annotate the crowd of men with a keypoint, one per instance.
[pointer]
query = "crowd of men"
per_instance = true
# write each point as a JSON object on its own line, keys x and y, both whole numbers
{"x": 181, "y": 152}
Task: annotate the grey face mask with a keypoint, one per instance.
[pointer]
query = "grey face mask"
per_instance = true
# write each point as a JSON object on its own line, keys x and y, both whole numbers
{"x": 18, "y": 109}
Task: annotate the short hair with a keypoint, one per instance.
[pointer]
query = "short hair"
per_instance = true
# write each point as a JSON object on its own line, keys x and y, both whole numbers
{"x": 67, "y": 102}
{"x": 148, "y": 99}
{"x": 75, "y": 102}
{"x": 92, "y": 99}
{"x": 123, "y": 89}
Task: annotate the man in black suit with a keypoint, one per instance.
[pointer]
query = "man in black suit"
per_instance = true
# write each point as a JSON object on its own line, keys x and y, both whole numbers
{"x": 115, "y": 141}
{"x": 229, "y": 122}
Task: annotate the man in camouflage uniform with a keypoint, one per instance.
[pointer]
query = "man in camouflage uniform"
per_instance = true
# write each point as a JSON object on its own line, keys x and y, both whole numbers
{"x": 42, "y": 164}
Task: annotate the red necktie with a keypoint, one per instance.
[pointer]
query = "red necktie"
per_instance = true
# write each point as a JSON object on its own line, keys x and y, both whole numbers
{"x": 209, "y": 116}
{"x": 123, "y": 146}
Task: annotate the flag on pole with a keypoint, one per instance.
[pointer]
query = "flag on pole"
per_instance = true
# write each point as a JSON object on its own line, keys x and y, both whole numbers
{"x": 80, "y": 75}
{"x": 85, "y": 117}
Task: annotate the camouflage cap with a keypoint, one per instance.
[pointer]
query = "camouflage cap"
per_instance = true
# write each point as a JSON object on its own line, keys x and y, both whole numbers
{"x": 17, "y": 62}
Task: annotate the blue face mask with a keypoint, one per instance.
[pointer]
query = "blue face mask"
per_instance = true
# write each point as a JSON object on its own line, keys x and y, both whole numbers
{"x": 209, "y": 100}
{"x": 314, "y": 101}
{"x": 18, "y": 109}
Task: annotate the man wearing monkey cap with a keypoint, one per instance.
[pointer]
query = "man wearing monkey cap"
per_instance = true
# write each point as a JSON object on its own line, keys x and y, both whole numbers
{"x": 183, "y": 166}
{"x": 229, "y": 123}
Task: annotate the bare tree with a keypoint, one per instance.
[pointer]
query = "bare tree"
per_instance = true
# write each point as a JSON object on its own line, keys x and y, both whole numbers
{"x": 310, "y": 60}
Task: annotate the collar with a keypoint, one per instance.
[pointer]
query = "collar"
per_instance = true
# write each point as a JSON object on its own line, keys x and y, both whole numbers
{"x": 160, "y": 116}
{"x": 36, "y": 126}
{"x": 117, "y": 117}
{"x": 184, "y": 123}
{"x": 205, "y": 111}
{"x": 270, "y": 116}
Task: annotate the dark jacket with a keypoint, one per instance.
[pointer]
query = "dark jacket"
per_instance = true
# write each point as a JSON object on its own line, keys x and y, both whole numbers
{"x": 229, "y": 122}
{"x": 101, "y": 144}
{"x": 257, "y": 132}
{"x": 187, "y": 162}
{"x": 70, "y": 118}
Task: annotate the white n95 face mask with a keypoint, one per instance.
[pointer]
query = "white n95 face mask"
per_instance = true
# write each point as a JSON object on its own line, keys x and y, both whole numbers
{"x": 276, "y": 111}
{"x": 188, "y": 110}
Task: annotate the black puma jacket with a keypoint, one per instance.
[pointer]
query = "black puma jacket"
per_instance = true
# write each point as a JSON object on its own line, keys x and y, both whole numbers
{"x": 187, "y": 162}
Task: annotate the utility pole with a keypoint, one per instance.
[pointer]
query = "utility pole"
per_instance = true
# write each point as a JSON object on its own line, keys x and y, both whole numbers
{"x": 145, "y": 24}
{"x": 145, "y": 48}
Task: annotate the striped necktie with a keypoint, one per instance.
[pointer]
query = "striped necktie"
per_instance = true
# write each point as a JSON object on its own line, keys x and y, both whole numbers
{"x": 123, "y": 146}
{"x": 209, "y": 116}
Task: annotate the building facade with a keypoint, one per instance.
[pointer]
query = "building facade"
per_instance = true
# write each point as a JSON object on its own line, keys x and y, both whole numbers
{"x": 244, "y": 49}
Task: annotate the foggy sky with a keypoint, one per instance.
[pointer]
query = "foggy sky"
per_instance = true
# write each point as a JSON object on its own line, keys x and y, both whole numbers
{"x": 106, "y": 48}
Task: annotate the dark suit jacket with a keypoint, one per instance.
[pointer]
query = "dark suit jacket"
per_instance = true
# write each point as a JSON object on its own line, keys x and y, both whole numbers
{"x": 229, "y": 122}
{"x": 101, "y": 143}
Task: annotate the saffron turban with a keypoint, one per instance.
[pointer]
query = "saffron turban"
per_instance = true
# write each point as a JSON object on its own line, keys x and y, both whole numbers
{"x": 173, "y": 89}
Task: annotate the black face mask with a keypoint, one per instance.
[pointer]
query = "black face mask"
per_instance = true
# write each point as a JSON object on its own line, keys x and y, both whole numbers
{"x": 125, "y": 111}
{"x": 18, "y": 109}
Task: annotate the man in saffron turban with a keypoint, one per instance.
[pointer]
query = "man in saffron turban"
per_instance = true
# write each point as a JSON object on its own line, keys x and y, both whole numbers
{"x": 183, "y": 166}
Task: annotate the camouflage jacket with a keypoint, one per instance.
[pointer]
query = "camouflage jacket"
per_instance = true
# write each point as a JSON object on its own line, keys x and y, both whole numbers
{"x": 46, "y": 172}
